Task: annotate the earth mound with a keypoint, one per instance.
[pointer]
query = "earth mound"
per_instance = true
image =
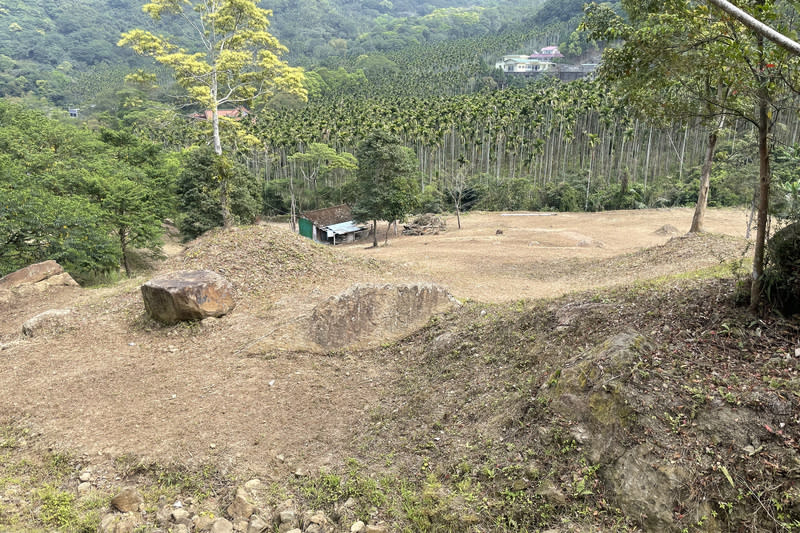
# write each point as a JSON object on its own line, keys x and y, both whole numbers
{"x": 376, "y": 312}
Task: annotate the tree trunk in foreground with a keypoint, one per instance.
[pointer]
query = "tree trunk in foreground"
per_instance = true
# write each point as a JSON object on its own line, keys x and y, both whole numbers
{"x": 374, "y": 233}
{"x": 763, "y": 201}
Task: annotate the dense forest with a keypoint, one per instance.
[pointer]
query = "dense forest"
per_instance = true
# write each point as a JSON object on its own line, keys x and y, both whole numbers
{"x": 53, "y": 49}
{"x": 483, "y": 139}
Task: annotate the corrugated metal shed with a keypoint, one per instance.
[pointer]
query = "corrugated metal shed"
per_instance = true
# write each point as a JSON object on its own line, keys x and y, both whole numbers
{"x": 343, "y": 228}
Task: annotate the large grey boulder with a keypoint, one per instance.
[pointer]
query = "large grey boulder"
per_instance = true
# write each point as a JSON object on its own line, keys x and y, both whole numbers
{"x": 374, "y": 312}
{"x": 188, "y": 295}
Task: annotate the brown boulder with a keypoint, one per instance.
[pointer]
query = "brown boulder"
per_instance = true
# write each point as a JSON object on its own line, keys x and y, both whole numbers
{"x": 31, "y": 274}
{"x": 188, "y": 295}
{"x": 128, "y": 500}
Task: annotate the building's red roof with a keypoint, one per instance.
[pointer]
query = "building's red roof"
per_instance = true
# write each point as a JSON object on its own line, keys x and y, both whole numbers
{"x": 331, "y": 215}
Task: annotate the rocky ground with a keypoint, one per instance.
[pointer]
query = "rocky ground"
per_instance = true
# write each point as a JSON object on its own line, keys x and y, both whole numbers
{"x": 654, "y": 403}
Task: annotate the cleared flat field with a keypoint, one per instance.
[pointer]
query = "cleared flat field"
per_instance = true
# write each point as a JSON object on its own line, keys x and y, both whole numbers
{"x": 544, "y": 254}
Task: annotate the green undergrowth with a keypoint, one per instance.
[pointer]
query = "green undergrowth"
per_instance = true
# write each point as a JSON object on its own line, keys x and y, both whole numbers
{"x": 35, "y": 491}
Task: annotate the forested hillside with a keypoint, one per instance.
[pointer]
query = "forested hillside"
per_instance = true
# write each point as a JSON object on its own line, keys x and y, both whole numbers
{"x": 53, "y": 49}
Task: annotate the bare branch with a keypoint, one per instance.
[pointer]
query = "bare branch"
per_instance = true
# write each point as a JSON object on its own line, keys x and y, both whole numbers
{"x": 758, "y": 26}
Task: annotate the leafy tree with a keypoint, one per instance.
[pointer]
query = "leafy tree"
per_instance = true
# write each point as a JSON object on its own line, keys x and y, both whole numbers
{"x": 198, "y": 191}
{"x": 691, "y": 49}
{"x": 386, "y": 180}
{"x": 239, "y": 62}
{"x": 670, "y": 67}
{"x": 37, "y": 225}
{"x": 135, "y": 192}
{"x": 67, "y": 195}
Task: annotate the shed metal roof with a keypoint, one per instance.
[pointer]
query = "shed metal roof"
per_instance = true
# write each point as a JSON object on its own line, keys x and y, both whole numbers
{"x": 343, "y": 228}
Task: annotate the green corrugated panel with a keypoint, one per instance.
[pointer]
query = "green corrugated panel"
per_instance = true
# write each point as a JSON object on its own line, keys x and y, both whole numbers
{"x": 306, "y": 228}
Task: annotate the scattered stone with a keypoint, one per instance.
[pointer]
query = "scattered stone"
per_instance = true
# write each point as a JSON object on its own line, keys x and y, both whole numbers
{"x": 646, "y": 489}
{"x": 222, "y": 525}
{"x": 288, "y": 516}
{"x": 188, "y": 295}
{"x": 59, "y": 280}
{"x": 241, "y": 508}
{"x": 203, "y": 521}
{"x": 358, "y": 527}
{"x": 257, "y": 525}
{"x": 551, "y": 493}
{"x": 84, "y": 487}
{"x": 85, "y": 476}
{"x": 667, "y": 229}
{"x": 376, "y": 529}
{"x": 316, "y": 522}
{"x": 119, "y": 523}
{"x": 51, "y": 322}
{"x": 127, "y": 501}
{"x": 164, "y": 515}
{"x": 181, "y": 516}
{"x": 253, "y": 484}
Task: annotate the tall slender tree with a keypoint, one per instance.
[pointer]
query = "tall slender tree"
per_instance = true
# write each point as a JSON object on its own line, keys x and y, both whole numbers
{"x": 723, "y": 66}
{"x": 239, "y": 61}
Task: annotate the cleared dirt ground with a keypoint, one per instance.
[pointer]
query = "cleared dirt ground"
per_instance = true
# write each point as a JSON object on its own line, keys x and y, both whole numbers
{"x": 243, "y": 393}
{"x": 546, "y": 255}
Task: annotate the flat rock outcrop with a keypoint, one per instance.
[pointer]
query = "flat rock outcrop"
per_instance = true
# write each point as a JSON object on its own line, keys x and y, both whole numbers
{"x": 367, "y": 311}
{"x": 34, "y": 278}
{"x": 31, "y": 274}
{"x": 188, "y": 295}
{"x": 51, "y": 322}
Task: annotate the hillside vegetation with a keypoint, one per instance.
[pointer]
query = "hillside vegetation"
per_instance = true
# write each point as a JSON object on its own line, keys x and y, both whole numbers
{"x": 54, "y": 50}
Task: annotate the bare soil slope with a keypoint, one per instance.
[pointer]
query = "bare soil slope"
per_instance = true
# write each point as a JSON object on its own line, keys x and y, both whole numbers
{"x": 120, "y": 383}
{"x": 245, "y": 393}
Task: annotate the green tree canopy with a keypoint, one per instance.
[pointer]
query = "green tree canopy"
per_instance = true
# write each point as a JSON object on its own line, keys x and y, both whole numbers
{"x": 386, "y": 180}
{"x": 75, "y": 197}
